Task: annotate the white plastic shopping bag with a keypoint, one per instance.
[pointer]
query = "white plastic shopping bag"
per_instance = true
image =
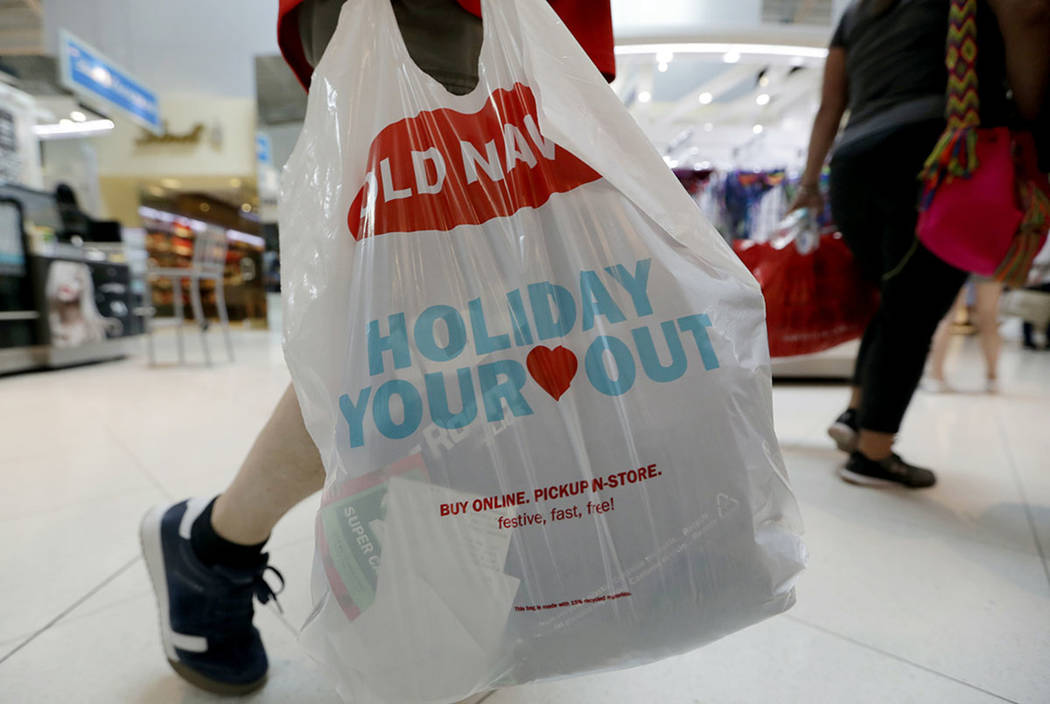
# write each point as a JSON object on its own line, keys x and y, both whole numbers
{"x": 537, "y": 377}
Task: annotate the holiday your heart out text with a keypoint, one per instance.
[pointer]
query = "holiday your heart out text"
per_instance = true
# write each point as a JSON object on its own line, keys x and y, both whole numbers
{"x": 536, "y": 313}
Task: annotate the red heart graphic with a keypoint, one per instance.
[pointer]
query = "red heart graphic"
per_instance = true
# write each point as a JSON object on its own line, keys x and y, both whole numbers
{"x": 552, "y": 369}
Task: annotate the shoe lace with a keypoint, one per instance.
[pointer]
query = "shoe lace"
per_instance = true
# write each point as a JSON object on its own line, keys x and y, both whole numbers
{"x": 895, "y": 465}
{"x": 262, "y": 589}
{"x": 235, "y": 609}
{"x": 898, "y": 466}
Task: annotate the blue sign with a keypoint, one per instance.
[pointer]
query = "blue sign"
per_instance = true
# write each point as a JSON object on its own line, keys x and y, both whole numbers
{"x": 91, "y": 75}
{"x": 262, "y": 148}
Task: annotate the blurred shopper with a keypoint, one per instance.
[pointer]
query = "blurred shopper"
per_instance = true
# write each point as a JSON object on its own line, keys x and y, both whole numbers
{"x": 205, "y": 556}
{"x": 987, "y": 294}
{"x": 1039, "y": 280}
{"x": 886, "y": 66}
{"x": 1028, "y": 330}
{"x": 75, "y": 223}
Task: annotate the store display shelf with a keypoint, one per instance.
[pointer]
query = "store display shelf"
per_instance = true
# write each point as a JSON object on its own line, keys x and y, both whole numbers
{"x": 19, "y": 359}
{"x": 90, "y": 352}
{"x": 836, "y": 363}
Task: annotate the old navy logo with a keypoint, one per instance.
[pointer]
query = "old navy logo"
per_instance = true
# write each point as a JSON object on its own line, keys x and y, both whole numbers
{"x": 541, "y": 311}
{"x": 442, "y": 168}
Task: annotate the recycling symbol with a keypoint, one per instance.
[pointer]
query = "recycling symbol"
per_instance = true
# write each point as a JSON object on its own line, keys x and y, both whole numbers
{"x": 726, "y": 505}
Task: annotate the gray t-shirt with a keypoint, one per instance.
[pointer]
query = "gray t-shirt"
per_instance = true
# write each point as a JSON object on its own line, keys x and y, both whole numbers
{"x": 894, "y": 64}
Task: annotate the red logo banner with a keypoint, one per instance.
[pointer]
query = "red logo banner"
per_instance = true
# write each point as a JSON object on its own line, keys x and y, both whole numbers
{"x": 442, "y": 168}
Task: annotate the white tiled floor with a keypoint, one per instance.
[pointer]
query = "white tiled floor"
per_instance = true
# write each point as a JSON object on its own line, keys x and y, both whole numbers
{"x": 936, "y": 596}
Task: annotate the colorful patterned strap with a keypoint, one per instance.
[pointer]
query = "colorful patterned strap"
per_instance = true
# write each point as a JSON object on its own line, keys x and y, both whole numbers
{"x": 955, "y": 155}
{"x": 1030, "y": 238}
{"x": 964, "y": 105}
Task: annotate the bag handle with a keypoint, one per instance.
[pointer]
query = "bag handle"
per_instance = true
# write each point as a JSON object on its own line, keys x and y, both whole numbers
{"x": 955, "y": 155}
{"x": 495, "y": 64}
{"x": 964, "y": 104}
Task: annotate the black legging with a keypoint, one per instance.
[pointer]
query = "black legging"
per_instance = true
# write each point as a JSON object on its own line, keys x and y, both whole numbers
{"x": 874, "y": 196}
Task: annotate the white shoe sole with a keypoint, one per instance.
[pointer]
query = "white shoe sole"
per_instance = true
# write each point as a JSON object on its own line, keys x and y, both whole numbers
{"x": 844, "y": 436}
{"x": 865, "y": 480}
{"x": 153, "y": 554}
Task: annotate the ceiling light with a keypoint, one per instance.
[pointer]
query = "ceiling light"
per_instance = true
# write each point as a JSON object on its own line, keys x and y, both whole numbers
{"x": 247, "y": 208}
{"x": 662, "y": 68}
{"x": 731, "y": 57}
{"x": 706, "y": 98}
{"x": 163, "y": 216}
{"x": 78, "y": 116}
{"x": 645, "y": 96}
{"x": 100, "y": 75}
{"x": 253, "y": 240}
{"x": 758, "y": 129}
{"x": 68, "y": 128}
{"x": 762, "y": 99}
{"x": 800, "y": 53}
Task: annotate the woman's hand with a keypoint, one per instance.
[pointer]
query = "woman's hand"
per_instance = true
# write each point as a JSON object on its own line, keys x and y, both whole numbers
{"x": 834, "y": 97}
{"x": 808, "y": 196}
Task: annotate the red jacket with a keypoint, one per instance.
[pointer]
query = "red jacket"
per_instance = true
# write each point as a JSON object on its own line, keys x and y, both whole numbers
{"x": 590, "y": 21}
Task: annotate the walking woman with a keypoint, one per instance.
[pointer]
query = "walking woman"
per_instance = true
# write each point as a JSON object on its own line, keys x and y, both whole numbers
{"x": 886, "y": 66}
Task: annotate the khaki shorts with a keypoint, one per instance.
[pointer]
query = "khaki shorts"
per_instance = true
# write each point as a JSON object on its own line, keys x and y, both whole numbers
{"x": 443, "y": 39}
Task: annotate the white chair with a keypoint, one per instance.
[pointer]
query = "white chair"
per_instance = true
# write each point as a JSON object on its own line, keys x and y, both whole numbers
{"x": 209, "y": 260}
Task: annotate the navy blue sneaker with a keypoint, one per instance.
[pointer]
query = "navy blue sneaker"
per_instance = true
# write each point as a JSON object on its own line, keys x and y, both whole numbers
{"x": 205, "y": 612}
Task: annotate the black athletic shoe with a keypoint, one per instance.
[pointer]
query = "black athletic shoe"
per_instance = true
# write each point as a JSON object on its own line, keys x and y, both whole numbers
{"x": 845, "y": 430}
{"x": 205, "y": 612}
{"x": 890, "y": 471}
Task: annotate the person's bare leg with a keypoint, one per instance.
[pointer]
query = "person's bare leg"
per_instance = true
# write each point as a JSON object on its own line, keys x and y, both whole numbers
{"x": 875, "y": 446}
{"x": 855, "y": 397}
{"x": 282, "y": 468}
{"x": 988, "y": 293}
{"x": 199, "y": 553}
{"x": 941, "y": 339}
